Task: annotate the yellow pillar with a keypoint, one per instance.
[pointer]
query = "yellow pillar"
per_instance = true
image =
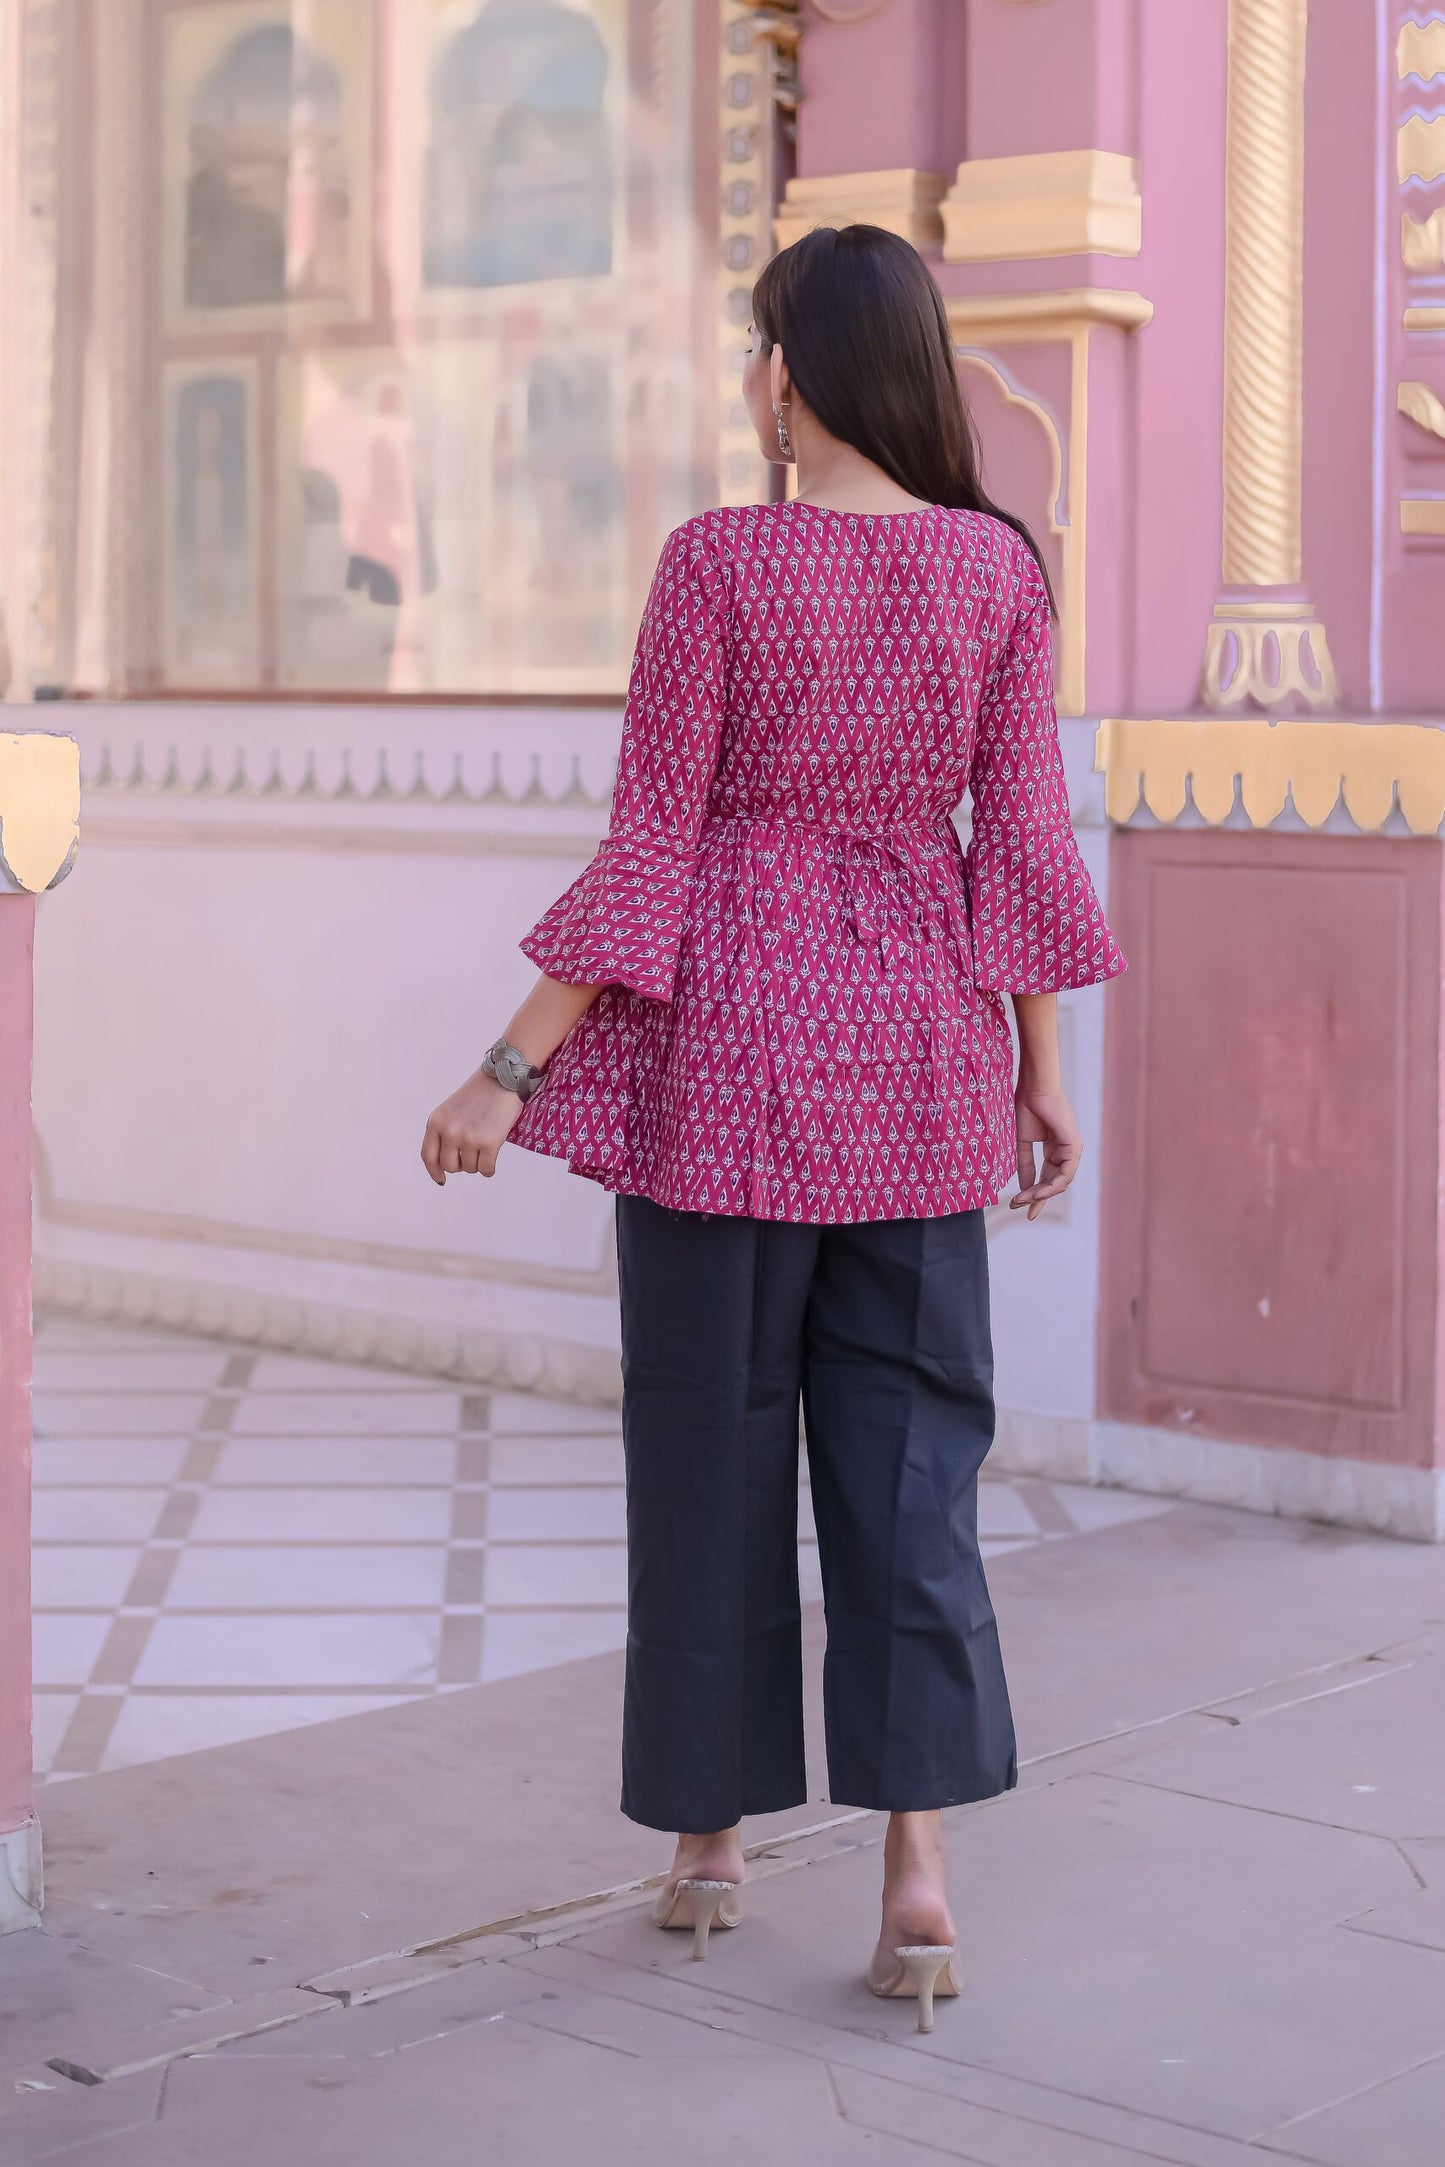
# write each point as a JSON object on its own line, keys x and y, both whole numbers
{"x": 1266, "y": 648}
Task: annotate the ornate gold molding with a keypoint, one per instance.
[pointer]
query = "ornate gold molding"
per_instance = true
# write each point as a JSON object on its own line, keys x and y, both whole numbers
{"x": 1262, "y": 651}
{"x": 1221, "y": 764}
{"x": 981, "y": 323}
{"x": 1420, "y": 50}
{"x": 1053, "y": 203}
{"x": 1422, "y": 242}
{"x": 1425, "y": 319}
{"x": 1420, "y": 405}
{"x": 39, "y": 810}
{"x": 1420, "y": 148}
{"x": 1032, "y": 317}
{"x": 904, "y": 200}
{"x": 1422, "y": 516}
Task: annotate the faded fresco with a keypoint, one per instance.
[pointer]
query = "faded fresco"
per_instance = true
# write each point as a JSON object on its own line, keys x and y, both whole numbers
{"x": 458, "y": 462}
{"x": 449, "y": 518}
{"x": 521, "y": 155}
{"x": 210, "y": 613}
{"x": 267, "y": 158}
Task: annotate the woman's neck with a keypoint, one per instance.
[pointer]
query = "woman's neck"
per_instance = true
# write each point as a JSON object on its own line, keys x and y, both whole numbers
{"x": 837, "y": 478}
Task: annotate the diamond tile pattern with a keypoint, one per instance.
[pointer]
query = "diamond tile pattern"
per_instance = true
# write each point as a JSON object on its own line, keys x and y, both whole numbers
{"x": 802, "y": 1016}
{"x": 281, "y": 1541}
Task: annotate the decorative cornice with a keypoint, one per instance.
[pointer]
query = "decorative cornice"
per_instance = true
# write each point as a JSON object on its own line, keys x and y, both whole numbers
{"x": 1029, "y": 318}
{"x": 244, "y": 772}
{"x": 1220, "y": 767}
{"x": 903, "y": 200}
{"x": 1053, "y": 203}
{"x": 39, "y": 810}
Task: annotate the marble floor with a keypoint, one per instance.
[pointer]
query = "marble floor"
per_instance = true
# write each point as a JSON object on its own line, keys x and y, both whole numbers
{"x": 230, "y": 1543}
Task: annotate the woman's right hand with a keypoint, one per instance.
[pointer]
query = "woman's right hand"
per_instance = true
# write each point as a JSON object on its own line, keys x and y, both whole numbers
{"x": 1045, "y": 1121}
{"x": 467, "y": 1131}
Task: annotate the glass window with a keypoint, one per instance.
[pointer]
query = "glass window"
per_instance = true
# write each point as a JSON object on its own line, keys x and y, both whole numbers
{"x": 387, "y": 339}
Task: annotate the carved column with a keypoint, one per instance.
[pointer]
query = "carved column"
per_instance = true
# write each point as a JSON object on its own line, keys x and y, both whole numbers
{"x": 758, "y": 86}
{"x": 1266, "y": 648}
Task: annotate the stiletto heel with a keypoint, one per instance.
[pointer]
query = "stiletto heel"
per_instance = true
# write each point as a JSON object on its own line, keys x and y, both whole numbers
{"x": 699, "y": 1905}
{"x": 923, "y": 1971}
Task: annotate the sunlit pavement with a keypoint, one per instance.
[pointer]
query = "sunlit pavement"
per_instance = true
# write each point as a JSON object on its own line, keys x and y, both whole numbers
{"x": 230, "y": 1543}
{"x": 370, "y": 1921}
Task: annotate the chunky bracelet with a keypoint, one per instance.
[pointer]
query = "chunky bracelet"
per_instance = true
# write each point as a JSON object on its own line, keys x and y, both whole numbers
{"x": 511, "y": 1069}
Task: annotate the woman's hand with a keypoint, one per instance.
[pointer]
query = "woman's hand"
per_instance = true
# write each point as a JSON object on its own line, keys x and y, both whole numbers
{"x": 467, "y": 1130}
{"x": 1044, "y": 1118}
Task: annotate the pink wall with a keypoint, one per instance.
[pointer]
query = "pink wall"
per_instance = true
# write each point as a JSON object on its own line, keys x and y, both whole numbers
{"x": 1269, "y": 1268}
{"x": 1053, "y": 78}
{"x": 17, "y": 928}
{"x": 1339, "y": 333}
{"x": 884, "y": 93}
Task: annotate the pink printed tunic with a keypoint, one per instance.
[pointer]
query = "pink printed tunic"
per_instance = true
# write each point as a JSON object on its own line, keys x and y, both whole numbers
{"x": 802, "y": 1015}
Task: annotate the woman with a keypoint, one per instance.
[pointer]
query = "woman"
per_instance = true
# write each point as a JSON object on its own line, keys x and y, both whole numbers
{"x": 771, "y": 1021}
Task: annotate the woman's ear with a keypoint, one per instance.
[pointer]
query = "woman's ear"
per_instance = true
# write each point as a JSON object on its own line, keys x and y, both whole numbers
{"x": 782, "y": 382}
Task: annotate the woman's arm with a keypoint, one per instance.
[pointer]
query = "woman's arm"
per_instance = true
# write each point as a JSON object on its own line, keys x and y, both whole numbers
{"x": 467, "y": 1130}
{"x": 1042, "y": 1111}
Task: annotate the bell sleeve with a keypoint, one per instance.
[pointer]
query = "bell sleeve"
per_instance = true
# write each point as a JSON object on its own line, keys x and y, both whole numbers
{"x": 1036, "y": 922}
{"x": 621, "y": 922}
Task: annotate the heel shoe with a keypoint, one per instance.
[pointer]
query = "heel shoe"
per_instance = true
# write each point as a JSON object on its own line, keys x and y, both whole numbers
{"x": 922, "y": 1972}
{"x": 698, "y": 1904}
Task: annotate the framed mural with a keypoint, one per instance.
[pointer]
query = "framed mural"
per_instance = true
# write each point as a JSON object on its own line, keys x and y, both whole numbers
{"x": 458, "y": 253}
{"x": 525, "y": 130}
{"x": 267, "y": 161}
{"x": 428, "y": 502}
{"x": 209, "y": 587}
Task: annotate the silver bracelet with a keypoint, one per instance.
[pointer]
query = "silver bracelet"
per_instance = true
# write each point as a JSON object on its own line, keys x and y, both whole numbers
{"x": 511, "y": 1069}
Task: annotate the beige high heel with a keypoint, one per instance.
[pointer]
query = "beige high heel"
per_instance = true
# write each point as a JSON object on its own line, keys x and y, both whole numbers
{"x": 699, "y": 1905}
{"x": 924, "y": 1971}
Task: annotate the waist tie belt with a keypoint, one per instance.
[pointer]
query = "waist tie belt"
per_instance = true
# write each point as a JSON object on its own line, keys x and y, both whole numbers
{"x": 865, "y": 851}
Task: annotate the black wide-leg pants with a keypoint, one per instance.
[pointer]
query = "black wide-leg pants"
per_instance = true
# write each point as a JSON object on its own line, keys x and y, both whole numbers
{"x": 882, "y": 1331}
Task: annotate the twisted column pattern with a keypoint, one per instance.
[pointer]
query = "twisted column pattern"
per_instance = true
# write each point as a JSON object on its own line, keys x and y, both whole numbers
{"x": 1263, "y": 306}
{"x": 1268, "y": 651}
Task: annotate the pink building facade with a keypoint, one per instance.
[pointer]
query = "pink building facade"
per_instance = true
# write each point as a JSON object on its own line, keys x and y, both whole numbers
{"x": 282, "y": 516}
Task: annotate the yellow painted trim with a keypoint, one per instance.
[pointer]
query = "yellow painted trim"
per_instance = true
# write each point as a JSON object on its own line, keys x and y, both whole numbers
{"x": 1053, "y": 203}
{"x": 1420, "y": 148}
{"x": 1422, "y": 241}
{"x": 1420, "y": 404}
{"x": 1422, "y": 515}
{"x": 1018, "y": 319}
{"x": 1420, "y": 50}
{"x": 1425, "y": 319}
{"x": 1264, "y": 764}
{"x": 903, "y": 200}
{"x": 39, "y": 809}
{"x": 981, "y": 322}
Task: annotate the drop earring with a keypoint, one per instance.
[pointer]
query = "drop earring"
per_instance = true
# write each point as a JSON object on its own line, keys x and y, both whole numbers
{"x": 785, "y": 442}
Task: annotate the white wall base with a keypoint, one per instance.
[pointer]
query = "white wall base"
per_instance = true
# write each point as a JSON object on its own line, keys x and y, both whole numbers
{"x": 1404, "y": 1501}
{"x": 22, "y": 1888}
{"x": 481, "y": 1335}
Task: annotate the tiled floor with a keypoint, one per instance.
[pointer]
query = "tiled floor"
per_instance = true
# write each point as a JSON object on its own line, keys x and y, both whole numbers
{"x": 230, "y": 1543}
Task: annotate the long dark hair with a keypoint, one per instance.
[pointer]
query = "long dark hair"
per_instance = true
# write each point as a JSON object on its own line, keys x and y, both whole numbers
{"x": 865, "y": 331}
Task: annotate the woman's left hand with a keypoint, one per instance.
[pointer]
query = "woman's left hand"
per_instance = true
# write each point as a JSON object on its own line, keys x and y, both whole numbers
{"x": 1045, "y": 1120}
